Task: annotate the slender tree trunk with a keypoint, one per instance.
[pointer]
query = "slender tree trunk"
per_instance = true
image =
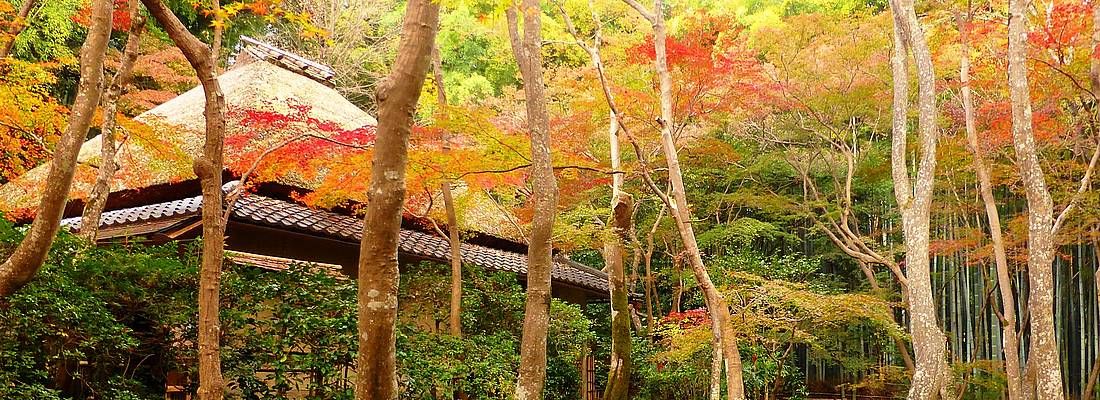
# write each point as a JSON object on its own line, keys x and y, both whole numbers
{"x": 31, "y": 253}
{"x": 618, "y": 378}
{"x": 680, "y": 211}
{"x": 1040, "y": 241}
{"x": 19, "y": 25}
{"x": 622, "y": 224}
{"x": 932, "y": 376}
{"x": 397, "y": 96}
{"x": 219, "y": 32}
{"x": 716, "y": 366}
{"x": 651, "y": 297}
{"x": 208, "y": 167}
{"x": 449, "y": 206}
{"x": 456, "y": 260}
{"x": 1000, "y": 257}
{"x": 678, "y": 296}
{"x": 97, "y": 199}
{"x": 437, "y": 76}
{"x": 528, "y": 53}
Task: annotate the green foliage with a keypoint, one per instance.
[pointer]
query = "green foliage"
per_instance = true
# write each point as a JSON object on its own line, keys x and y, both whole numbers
{"x": 478, "y": 60}
{"x": 483, "y": 362}
{"x": 764, "y": 371}
{"x": 660, "y": 375}
{"x": 742, "y": 233}
{"x": 93, "y": 322}
{"x": 112, "y": 321}
{"x": 288, "y": 331}
{"x": 787, "y": 267}
{"x": 51, "y": 32}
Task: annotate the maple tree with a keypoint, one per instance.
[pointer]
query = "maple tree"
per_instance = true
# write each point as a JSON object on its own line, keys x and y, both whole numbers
{"x": 97, "y": 198}
{"x": 15, "y": 26}
{"x": 30, "y": 118}
{"x": 31, "y": 253}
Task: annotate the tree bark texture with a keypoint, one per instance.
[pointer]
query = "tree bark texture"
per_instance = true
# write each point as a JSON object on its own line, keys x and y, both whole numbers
{"x": 544, "y": 189}
{"x": 19, "y": 27}
{"x": 932, "y": 376}
{"x": 456, "y": 260}
{"x": 651, "y": 297}
{"x": 31, "y": 253}
{"x": 208, "y": 167}
{"x": 716, "y": 367}
{"x": 397, "y": 96}
{"x": 1040, "y": 213}
{"x": 618, "y": 378}
{"x": 985, "y": 186}
{"x": 97, "y": 199}
{"x": 449, "y": 206}
{"x": 681, "y": 212}
{"x": 219, "y": 32}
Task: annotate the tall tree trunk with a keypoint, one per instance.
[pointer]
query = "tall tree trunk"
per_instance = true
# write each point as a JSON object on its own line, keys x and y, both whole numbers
{"x": 1040, "y": 213}
{"x": 31, "y": 253}
{"x": 97, "y": 199}
{"x": 651, "y": 297}
{"x": 19, "y": 25}
{"x": 678, "y": 293}
{"x": 456, "y": 260}
{"x": 219, "y": 32}
{"x": 208, "y": 167}
{"x": 622, "y": 225}
{"x": 618, "y": 378}
{"x": 1000, "y": 257}
{"x": 449, "y": 206}
{"x": 680, "y": 210}
{"x": 397, "y": 95}
{"x": 932, "y": 376}
{"x": 716, "y": 366}
{"x": 528, "y": 53}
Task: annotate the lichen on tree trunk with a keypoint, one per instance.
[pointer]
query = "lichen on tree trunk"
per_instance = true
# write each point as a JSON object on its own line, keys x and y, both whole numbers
{"x": 397, "y": 96}
{"x": 981, "y": 168}
{"x": 618, "y": 378}
{"x": 932, "y": 375}
{"x": 1043, "y": 351}
{"x": 544, "y": 193}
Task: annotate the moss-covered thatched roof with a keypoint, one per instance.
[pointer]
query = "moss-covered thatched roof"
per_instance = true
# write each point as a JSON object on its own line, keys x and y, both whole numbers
{"x": 159, "y": 151}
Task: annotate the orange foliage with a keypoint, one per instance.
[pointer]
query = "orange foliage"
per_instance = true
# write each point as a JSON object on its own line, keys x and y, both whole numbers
{"x": 714, "y": 74}
{"x": 30, "y": 120}
{"x": 120, "y": 17}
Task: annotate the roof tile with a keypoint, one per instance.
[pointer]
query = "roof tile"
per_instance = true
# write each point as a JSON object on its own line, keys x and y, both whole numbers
{"x": 285, "y": 214}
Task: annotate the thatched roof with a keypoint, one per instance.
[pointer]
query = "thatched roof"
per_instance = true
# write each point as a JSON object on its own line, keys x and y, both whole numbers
{"x": 162, "y": 152}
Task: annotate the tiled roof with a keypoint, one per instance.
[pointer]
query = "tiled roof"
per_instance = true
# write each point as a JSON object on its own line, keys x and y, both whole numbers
{"x": 257, "y": 209}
